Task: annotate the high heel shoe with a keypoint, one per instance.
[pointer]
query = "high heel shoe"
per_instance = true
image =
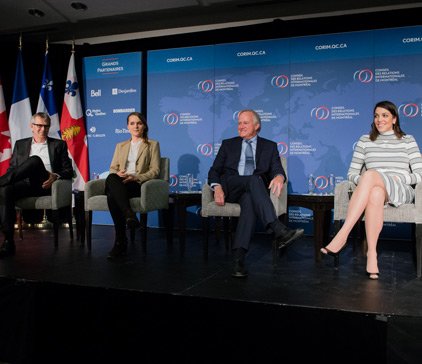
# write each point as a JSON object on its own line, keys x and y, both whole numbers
{"x": 335, "y": 255}
{"x": 373, "y": 276}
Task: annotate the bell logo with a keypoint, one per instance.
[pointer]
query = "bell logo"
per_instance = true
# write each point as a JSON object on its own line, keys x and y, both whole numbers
{"x": 96, "y": 93}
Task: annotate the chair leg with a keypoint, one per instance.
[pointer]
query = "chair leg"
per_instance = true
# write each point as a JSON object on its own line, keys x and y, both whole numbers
{"x": 19, "y": 219}
{"x": 168, "y": 222}
{"x": 70, "y": 222}
{"x": 205, "y": 232}
{"x": 418, "y": 236}
{"x": 88, "y": 228}
{"x": 56, "y": 219}
{"x": 144, "y": 221}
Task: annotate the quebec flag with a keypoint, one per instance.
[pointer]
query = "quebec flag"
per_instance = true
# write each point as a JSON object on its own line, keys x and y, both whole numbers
{"x": 46, "y": 101}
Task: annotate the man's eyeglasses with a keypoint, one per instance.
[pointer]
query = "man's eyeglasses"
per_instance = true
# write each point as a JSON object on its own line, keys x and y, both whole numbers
{"x": 39, "y": 126}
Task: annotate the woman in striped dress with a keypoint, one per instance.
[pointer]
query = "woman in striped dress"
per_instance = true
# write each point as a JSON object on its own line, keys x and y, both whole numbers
{"x": 393, "y": 164}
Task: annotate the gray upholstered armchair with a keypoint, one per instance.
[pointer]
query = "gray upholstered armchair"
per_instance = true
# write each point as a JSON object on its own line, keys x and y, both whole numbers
{"x": 406, "y": 213}
{"x": 59, "y": 200}
{"x": 154, "y": 196}
{"x": 232, "y": 210}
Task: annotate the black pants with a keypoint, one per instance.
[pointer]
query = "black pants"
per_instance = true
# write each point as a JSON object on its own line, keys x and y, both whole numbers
{"x": 118, "y": 195}
{"x": 23, "y": 181}
{"x": 255, "y": 203}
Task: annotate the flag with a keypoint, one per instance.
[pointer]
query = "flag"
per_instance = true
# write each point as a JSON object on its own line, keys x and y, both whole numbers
{"x": 46, "y": 101}
{"x": 20, "y": 111}
{"x": 5, "y": 146}
{"x": 72, "y": 127}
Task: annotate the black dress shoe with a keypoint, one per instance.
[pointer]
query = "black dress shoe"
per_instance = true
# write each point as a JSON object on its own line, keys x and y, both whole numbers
{"x": 239, "y": 270}
{"x": 119, "y": 250}
{"x": 132, "y": 221}
{"x": 288, "y": 237}
{"x": 7, "y": 249}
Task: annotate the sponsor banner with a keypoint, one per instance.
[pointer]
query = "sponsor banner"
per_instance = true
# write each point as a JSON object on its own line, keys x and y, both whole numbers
{"x": 112, "y": 91}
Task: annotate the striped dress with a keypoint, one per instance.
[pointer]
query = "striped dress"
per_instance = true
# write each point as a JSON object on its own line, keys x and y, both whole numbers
{"x": 397, "y": 160}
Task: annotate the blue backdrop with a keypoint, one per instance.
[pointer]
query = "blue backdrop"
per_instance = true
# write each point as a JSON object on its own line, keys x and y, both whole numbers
{"x": 315, "y": 96}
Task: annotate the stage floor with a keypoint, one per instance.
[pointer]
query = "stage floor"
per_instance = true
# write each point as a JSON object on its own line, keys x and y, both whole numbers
{"x": 298, "y": 286}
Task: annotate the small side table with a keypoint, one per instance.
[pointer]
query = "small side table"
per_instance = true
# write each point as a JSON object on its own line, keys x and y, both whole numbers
{"x": 321, "y": 206}
{"x": 181, "y": 201}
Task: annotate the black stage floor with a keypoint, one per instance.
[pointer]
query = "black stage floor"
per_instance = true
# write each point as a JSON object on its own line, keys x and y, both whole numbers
{"x": 70, "y": 305}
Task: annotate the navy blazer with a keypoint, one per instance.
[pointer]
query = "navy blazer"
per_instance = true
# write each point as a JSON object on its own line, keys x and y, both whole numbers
{"x": 267, "y": 161}
{"x": 57, "y": 150}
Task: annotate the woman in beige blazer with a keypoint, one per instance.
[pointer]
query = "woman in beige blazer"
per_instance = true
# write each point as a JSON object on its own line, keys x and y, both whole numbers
{"x": 134, "y": 161}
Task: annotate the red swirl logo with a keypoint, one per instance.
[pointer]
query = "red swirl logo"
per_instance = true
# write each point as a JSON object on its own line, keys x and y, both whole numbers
{"x": 174, "y": 181}
{"x": 320, "y": 113}
{"x": 280, "y": 81}
{"x": 364, "y": 75}
{"x": 410, "y": 110}
{"x": 204, "y": 149}
{"x": 282, "y": 148}
{"x": 321, "y": 182}
{"x": 205, "y": 86}
{"x": 171, "y": 118}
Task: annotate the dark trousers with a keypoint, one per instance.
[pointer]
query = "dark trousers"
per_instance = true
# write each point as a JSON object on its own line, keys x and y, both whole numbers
{"x": 255, "y": 203}
{"x": 22, "y": 181}
{"x": 118, "y": 195}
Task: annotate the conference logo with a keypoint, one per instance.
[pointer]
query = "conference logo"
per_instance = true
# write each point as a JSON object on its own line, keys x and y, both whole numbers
{"x": 282, "y": 148}
{"x": 171, "y": 118}
{"x": 363, "y": 75}
{"x": 92, "y": 129}
{"x": 236, "y": 115}
{"x": 174, "y": 181}
{"x": 204, "y": 149}
{"x": 320, "y": 113}
{"x": 321, "y": 182}
{"x": 205, "y": 86}
{"x": 280, "y": 81}
{"x": 410, "y": 110}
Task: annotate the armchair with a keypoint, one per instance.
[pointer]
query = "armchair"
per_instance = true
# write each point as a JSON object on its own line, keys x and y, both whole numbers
{"x": 154, "y": 196}
{"x": 232, "y": 210}
{"x": 59, "y": 201}
{"x": 406, "y": 213}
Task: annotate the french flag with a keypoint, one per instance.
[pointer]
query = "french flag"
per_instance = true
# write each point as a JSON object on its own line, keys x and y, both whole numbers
{"x": 73, "y": 127}
{"x": 46, "y": 101}
{"x": 20, "y": 111}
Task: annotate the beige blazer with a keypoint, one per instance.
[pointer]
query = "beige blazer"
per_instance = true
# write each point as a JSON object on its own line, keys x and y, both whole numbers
{"x": 147, "y": 163}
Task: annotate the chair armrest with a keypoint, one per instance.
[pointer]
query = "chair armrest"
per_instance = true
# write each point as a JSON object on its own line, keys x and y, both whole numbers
{"x": 155, "y": 194}
{"x": 418, "y": 203}
{"x": 93, "y": 188}
{"x": 341, "y": 199}
{"x": 61, "y": 193}
{"x": 280, "y": 202}
{"x": 206, "y": 198}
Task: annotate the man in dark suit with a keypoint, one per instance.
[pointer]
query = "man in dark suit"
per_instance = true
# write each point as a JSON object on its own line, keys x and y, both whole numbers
{"x": 36, "y": 163}
{"x": 245, "y": 168}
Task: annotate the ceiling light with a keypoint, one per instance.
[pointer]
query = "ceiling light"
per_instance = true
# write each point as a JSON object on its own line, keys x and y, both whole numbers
{"x": 79, "y": 6}
{"x": 36, "y": 12}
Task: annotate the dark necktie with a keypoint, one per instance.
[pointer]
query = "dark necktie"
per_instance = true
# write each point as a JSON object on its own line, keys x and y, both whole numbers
{"x": 249, "y": 161}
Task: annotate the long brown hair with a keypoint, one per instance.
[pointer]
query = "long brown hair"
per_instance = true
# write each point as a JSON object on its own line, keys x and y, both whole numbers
{"x": 388, "y": 105}
{"x": 143, "y": 120}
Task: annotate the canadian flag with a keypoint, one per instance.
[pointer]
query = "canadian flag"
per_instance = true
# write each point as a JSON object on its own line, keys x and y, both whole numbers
{"x": 5, "y": 145}
{"x": 72, "y": 127}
